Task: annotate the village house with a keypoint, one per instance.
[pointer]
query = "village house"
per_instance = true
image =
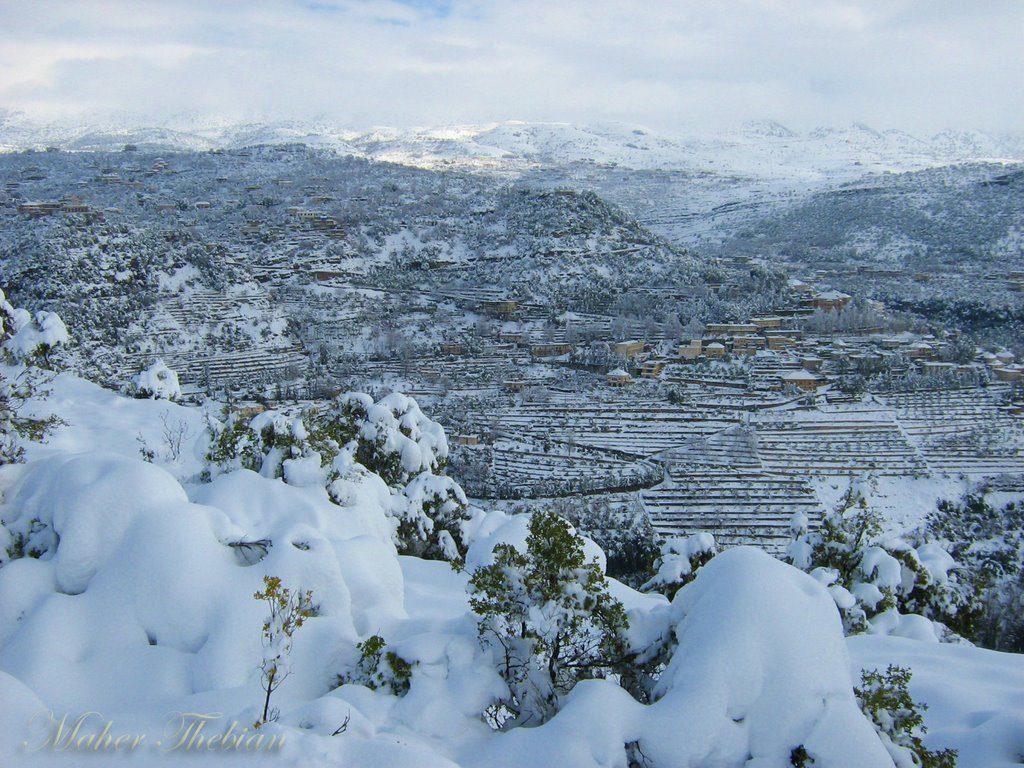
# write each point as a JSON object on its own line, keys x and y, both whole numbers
{"x": 651, "y": 369}
{"x": 323, "y": 275}
{"x": 831, "y": 300}
{"x": 729, "y": 329}
{"x": 630, "y": 348}
{"x": 805, "y": 380}
{"x": 37, "y": 209}
{"x": 503, "y": 308}
{"x": 933, "y": 367}
{"x": 1013, "y": 373}
{"x": 920, "y": 350}
{"x": 780, "y": 342}
{"x": 450, "y": 348}
{"x": 618, "y": 378}
{"x": 466, "y": 439}
{"x": 714, "y": 350}
{"x": 748, "y": 345}
{"x": 550, "y": 350}
{"x": 690, "y": 351}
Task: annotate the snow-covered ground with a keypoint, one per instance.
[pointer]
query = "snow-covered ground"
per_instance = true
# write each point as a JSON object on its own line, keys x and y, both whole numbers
{"x": 139, "y": 622}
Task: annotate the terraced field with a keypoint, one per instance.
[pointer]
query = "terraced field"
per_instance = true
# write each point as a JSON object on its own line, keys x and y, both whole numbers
{"x": 737, "y": 506}
{"x": 844, "y": 443}
{"x": 962, "y": 432}
{"x": 632, "y": 429}
{"x": 530, "y": 470}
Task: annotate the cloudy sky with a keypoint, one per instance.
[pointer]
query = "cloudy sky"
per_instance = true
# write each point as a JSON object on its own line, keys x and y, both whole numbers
{"x": 921, "y": 65}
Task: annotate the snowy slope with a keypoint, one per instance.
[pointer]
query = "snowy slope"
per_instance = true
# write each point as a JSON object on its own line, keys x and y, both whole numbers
{"x": 139, "y": 609}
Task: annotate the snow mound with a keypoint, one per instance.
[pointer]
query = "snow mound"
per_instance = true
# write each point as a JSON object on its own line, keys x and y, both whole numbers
{"x": 158, "y": 382}
{"x": 760, "y": 668}
{"x": 137, "y": 595}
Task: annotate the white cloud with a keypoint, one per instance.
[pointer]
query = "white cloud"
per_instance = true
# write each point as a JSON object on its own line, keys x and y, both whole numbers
{"x": 918, "y": 64}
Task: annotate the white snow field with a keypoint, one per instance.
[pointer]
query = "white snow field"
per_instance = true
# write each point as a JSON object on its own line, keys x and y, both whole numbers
{"x": 137, "y": 626}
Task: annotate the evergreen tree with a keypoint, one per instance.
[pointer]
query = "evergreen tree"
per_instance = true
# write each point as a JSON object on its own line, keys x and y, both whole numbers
{"x": 548, "y": 618}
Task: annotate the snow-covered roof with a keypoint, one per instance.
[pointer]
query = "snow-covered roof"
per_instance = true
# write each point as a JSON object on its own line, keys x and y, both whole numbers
{"x": 618, "y": 373}
{"x": 800, "y": 375}
{"x": 715, "y": 345}
{"x": 833, "y": 295}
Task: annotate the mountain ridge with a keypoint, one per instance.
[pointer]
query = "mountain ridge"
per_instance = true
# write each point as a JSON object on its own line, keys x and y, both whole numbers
{"x": 763, "y": 148}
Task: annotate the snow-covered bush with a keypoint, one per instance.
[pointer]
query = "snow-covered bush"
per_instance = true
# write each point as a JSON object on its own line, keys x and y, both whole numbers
{"x": 623, "y": 531}
{"x": 989, "y": 541}
{"x": 875, "y": 580}
{"x": 261, "y": 443}
{"x": 678, "y": 562}
{"x": 379, "y": 669}
{"x": 25, "y": 346}
{"x": 897, "y": 718}
{"x": 391, "y": 438}
{"x": 157, "y": 382}
{"x": 548, "y": 620}
{"x": 28, "y": 338}
{"x": 432, "y": 519}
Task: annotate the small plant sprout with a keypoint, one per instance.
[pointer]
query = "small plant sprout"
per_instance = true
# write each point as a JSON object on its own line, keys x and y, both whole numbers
{"x": 288, "y": 611}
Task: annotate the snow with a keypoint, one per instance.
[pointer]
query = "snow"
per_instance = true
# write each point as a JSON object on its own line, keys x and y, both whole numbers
{"x": 139, "y": 606}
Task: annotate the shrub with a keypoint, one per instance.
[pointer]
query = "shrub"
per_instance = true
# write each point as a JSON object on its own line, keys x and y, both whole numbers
{"x": 868, "y": 575}
{"x": 25, "y": 342}
{"x": 548, "y": 618}
{"x": 391, "y": 438}
{"x": 288, "y": 612}
{"x": 898, "y": 719}
{"x": 679, "y": 561}
{"x": 379, "y": 668}
{"x": 989, "y": 541}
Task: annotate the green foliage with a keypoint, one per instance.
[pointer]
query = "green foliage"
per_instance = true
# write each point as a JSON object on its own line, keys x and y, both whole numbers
{"x": 898, "y": 719}
{"x": 235, "y": 444}
{"x": 34, "y": 542}
{"x": 380, "y": 669}
{"x": 431, "y": 523}
{"x": 288, "y": 611}
{"x": 624, "y": 533}
{"x": 547, "y": 616}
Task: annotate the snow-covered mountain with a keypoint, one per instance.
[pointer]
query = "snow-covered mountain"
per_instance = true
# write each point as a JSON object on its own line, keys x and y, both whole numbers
{"x": 761, "y": 148}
